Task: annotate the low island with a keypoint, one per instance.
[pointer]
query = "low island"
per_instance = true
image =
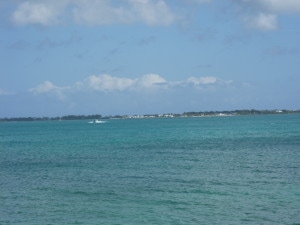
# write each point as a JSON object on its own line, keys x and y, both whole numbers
{"x": 167, "y": 115}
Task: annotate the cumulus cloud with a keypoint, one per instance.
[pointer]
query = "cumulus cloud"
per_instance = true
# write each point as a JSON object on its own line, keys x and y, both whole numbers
{"x": 93, "y": 12}
{"x": 152, "y": 12}
{"x": 264, "y": 14}
{"x": 44, "y": 13}
{"x": 201, "y": 80}
{"x": 206, "y": 83}
{"x": 106, "y": 83}
{"x": 261, "y": 14}
{"x": 151, "y": 80}
{"x": 49, "y": 88}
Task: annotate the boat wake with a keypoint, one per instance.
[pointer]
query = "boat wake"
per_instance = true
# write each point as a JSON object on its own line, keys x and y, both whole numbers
{"x": 97, "y": 121}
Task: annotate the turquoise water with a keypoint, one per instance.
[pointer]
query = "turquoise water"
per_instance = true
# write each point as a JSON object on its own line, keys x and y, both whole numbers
{"x": 212, "y": 170}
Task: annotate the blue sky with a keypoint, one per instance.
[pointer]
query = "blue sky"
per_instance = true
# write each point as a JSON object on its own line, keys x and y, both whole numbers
{"x": 148, "y": 56}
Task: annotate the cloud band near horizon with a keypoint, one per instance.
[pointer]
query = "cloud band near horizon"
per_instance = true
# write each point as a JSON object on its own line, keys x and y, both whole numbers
{"x": 106, "y": 83}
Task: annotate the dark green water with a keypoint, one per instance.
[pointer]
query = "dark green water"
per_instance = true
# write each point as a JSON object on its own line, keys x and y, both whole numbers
{"x": 214, "y": 170}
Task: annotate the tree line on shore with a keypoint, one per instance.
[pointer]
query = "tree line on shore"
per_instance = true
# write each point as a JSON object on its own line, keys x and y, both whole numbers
{"x": 68, "y": 117}
{"x": 185, "y": 114}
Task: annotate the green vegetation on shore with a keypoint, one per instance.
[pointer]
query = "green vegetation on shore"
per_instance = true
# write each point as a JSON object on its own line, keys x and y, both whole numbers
{"x": 168, "y": 115}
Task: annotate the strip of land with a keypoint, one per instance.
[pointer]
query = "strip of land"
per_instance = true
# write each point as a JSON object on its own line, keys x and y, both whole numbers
{"x": 167, "y": 115}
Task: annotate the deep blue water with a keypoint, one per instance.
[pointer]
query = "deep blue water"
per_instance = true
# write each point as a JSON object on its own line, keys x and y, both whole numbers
{"x": 212, "y": 170}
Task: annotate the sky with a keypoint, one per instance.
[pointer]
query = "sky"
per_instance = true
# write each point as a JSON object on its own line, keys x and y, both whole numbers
{"x": 117, "y": 57}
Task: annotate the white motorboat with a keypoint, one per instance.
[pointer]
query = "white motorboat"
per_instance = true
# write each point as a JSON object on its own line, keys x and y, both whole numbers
{"x": 97, "y": 121}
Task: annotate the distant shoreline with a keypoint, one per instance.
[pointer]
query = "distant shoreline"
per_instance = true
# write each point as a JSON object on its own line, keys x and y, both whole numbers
{"x": 166, "y": 115}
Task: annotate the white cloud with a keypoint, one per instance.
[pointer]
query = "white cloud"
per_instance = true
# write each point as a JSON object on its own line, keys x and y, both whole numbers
{"x": 32, "y": 12}
{"x": 108, "y": 83}
{"x": 49, "y": 88}
{"x": 151, "y": 80}
{"x": 206, "y": 83}
{"x": 264, "y": 21}
{"x": 151, "y": 12}
{"x": 201, "y": 80}
{"x": 260, "y": 14}
{"x": 43, "y": 88}
{"x": 93, "y": 12}
{"x": 264, "y": 14}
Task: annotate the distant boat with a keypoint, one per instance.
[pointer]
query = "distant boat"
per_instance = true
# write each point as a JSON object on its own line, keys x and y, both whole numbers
{"x": 97, "y": 121}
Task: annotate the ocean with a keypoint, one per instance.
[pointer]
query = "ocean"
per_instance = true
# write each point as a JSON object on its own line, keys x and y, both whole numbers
{"x": 204, "y": 170}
